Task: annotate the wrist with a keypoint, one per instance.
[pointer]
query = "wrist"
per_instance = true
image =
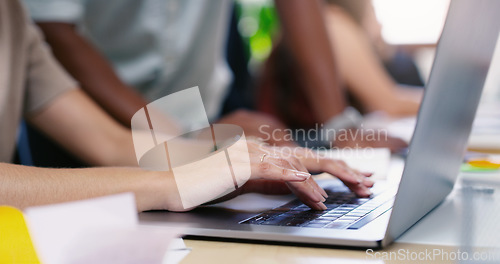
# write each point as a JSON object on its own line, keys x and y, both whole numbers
{"x": 157, "y": 191}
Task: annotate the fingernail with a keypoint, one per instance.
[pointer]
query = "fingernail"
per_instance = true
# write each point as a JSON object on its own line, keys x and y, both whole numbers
{"x": 369, "y": 183}
{"x": 320, "y": 197}
{"x": 322, "y": 206}
{"x": 323, "y": 193}
{"x": 303, "y": 175}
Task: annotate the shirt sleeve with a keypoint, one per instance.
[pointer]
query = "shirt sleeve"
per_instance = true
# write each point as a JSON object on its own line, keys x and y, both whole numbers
{"x": 70, "y": 11}
{"x": 45, "y": 79}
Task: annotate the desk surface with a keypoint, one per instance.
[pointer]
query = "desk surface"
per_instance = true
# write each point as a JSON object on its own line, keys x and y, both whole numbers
{"x": 230, "y": 252}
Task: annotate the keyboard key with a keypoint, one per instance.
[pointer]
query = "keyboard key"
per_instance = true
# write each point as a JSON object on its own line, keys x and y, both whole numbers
{"x": 348, "y": 206}
{"x": 359, "y": 201}
{"x": 331, "y": 206}
{"x": 340, "y": 211}
{"x": 372, "y": 215}
{"x": 349, "y": 218}
{"x": 295, "y": 222}
{"x": 300, "y": 208}
{"x": 312, "y": 213}
{"x": 355, "y": 214}
{"x": 294, "y": 203}
{"x": 279, "y": 220}
{"x": 361, "y": 210}
{"x": 314, "y": 225}
{"x": 260, "y": 218}
{"x": 293, "y": 213}
{"x": 317, "y": 221}
{"x": 327, "y": 217}
{"x": 338, "y": 224}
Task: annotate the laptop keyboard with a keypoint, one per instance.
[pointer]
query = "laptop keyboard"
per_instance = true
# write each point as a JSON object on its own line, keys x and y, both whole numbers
{"x": 344, "y": 211}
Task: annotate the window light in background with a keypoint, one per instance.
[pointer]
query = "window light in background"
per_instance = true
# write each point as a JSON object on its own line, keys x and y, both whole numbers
{"x": 411, "y": 21}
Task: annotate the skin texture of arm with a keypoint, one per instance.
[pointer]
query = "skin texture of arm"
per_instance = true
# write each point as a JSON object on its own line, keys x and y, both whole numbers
{"x": 75, "y": 121}
{"x": 94, "y": 73}
{"x": 363, "y": 71}
{"x": 24, "y": 186}
{"x": 305, "y": 33}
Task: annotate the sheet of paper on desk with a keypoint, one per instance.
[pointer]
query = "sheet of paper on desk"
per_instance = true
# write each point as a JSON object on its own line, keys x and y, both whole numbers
{"x": 485, "y": 132}
{"x": 375, "y": 160}
{"x": 177, "y": 251}
{"x": 486, "y": 129}
{"x": 100, "y": 230}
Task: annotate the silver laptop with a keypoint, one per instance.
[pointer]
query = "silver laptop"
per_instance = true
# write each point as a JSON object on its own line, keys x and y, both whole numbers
{"x": 444, "y": 123}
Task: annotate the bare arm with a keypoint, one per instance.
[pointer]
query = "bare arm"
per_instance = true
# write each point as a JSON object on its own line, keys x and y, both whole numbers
{"x": 92, "y": 71}
{"x": 305, "y": 33}
{"x": 74, "y": 121}
{"x": 23, "y": 186}
{"x": 363, "y": 71}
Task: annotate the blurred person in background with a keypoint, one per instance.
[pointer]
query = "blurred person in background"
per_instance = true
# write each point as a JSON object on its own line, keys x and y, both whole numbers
{"x": 126, "y": 53}
{"x": 356, "y": 40}
{"x": 368, "y": 63}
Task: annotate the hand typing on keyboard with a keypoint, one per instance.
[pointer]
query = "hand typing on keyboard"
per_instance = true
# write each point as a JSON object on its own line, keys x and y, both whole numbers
{"x": 357, "y": 181}
{"x": 304, "y": 160}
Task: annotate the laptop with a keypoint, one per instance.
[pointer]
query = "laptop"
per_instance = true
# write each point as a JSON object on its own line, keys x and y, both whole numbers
{"x": 432, "y": 165}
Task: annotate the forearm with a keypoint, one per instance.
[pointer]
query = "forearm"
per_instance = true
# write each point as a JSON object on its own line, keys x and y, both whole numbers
{"x": 92, "y": 71}
{"x": 409, "y": 101}
{"x": 78, "y": 124}
{"x": 363, "y": 71}
{"x": 23, "y": 186}
{"x": 259, "y": 125}
{"x": 305, "y": 34}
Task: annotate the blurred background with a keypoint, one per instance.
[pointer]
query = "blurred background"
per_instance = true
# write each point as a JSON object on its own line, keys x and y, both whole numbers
{"x": 411, "y": 25}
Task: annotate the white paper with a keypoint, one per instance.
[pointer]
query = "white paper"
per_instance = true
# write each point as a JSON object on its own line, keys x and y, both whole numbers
{"x": 374, "y": 160}
{"x": 177, "y": 251}
{"x": 485, "y": 132}
{"x": 100, "y": 230}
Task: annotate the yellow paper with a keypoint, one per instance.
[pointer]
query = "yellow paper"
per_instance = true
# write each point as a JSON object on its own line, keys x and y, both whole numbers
{"x": 15, "y": 242}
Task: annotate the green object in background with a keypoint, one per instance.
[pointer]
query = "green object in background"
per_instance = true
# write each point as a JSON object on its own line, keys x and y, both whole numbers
{"x": 257, "y": 24}
{"x": 469, "y": 168}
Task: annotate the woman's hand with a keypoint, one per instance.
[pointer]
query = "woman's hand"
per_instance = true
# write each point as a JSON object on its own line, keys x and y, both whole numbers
{"x": 275, "y": 173}
{"x": 357, "y": 181}
{"x": 263, "y": 169}
{"x": 277, "y": 170}
{"x": 268, "y": 164}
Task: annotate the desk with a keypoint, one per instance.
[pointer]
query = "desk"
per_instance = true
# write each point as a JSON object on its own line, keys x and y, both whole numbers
{"x": 230, "y": 252}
